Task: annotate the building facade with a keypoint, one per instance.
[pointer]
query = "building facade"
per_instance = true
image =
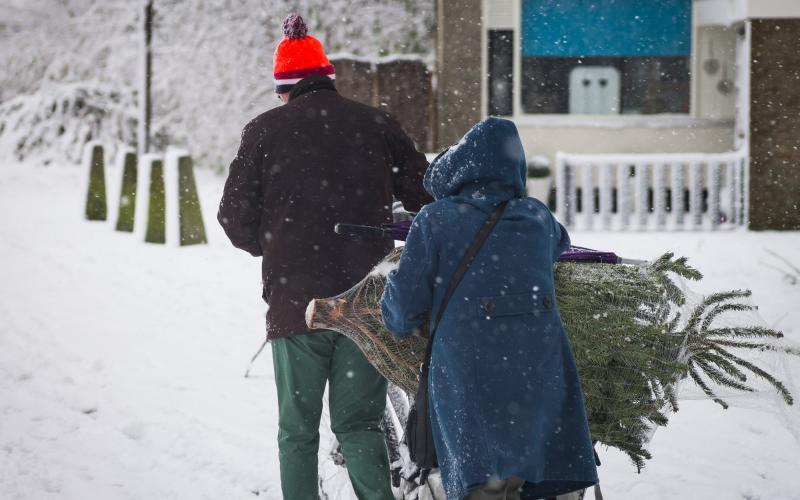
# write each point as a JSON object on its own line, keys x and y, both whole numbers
{"x": 626, "y": 76}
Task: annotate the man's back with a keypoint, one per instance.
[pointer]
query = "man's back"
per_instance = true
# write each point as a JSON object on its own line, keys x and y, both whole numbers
{"x": 318, "y": 160}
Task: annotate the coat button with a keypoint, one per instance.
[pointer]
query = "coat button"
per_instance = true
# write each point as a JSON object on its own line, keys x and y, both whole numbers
{"x": 488, "y": 307}
{"x": 547, "y": 301}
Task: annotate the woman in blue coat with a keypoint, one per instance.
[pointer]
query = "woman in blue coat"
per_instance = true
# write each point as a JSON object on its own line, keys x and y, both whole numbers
{"x": 505, "y": 400}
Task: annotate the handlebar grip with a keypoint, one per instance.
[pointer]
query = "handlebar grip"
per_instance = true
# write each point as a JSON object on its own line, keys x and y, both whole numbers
{"x": 356, "y": 230}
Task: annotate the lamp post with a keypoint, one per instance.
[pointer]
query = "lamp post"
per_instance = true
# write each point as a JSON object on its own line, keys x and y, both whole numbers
{"x": 145, "y": 74}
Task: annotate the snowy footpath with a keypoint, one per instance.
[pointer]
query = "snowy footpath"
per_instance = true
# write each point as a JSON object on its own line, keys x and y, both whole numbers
{"x": 121, "y": 363}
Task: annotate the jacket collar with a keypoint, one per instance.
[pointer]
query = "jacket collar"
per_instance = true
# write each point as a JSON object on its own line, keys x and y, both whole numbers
{"x": 311, "y": 84}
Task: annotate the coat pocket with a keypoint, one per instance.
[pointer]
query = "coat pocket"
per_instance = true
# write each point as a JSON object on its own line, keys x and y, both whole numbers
{"x": 534, "y": 303}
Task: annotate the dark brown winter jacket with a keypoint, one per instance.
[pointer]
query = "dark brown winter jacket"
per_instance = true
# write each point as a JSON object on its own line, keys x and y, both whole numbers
{"x": 301, "y": 168}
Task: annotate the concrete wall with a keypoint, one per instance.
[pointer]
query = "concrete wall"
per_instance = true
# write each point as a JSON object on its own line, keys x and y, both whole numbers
{"x": 401, "y": 87}
{"x": 355, "y": 80}
{"x": 458, "y": 86}
{"x": 775, "y": 125}
{"x": 404, "y": 89}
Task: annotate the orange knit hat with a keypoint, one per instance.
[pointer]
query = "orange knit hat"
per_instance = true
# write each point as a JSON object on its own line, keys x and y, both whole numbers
{"x": 298, "y": 56}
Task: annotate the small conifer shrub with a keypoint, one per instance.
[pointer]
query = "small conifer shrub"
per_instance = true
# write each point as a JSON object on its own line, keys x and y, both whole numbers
{"x": 96, "y": 208}
{"x": 127, "y": 196}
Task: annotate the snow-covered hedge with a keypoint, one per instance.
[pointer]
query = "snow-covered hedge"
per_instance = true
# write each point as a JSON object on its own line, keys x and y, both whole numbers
{"x": 53, "y": 124}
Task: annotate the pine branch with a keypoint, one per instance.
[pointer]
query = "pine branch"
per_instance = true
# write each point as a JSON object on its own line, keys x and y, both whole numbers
{"x": 741, "y": 344}
{"x": 722, "y": 363}
{"x": 716, "y": 298}
{"x": 744, "y": 332}
{"x": 658, "y": 419}
{"x": 708, "y": 302}
{"x": 669, "y": 390}
{"x": 673, "y": 324}
{"x": 678, "y": 266}
{"x": 777, "y": 384}
{"x": 719, "y": 309}
{"x": 737, "y": 344}
{"x": 719, "y": 378}
{"x": 695, "y": 317}
{"x": 706, "y": 389}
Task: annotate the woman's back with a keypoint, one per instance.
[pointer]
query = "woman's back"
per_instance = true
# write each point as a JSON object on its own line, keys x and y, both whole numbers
{"x": 505, "y": 399}
{"x": 513, "y": 272}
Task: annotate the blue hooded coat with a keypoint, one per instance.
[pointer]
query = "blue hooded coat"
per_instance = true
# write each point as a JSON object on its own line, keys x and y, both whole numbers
{"x": 504, "y": 394}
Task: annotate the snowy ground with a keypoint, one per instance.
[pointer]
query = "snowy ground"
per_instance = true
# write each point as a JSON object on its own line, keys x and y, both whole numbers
{"x": 121, "y": 363}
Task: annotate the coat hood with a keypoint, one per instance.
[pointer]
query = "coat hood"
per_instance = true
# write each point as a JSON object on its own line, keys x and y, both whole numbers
{"x": 489, "y": 157}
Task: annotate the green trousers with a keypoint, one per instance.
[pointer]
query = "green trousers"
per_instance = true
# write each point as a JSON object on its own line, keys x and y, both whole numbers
{"x": 357, "y": 399}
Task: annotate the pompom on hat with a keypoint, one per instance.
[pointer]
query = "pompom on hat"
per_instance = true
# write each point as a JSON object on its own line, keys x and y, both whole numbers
{"x": 298, "y": 56}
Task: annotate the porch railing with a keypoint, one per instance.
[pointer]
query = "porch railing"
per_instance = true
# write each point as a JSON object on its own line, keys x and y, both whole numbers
{"x": 651, "y": 191}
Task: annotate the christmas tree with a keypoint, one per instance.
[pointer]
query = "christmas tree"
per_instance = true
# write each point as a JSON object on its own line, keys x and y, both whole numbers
{"x": 632, "y": 332}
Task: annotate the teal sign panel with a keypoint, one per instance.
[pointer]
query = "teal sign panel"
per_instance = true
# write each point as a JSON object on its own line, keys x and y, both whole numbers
{"x": 606, "y": 28}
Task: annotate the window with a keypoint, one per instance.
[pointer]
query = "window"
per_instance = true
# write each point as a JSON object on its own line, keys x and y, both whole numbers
{"x": 501, "y": 72}
{"x": 605, "y": 56}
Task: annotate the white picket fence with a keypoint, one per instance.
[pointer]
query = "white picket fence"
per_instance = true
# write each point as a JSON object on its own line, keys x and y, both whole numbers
{"x": 651, "y": 191}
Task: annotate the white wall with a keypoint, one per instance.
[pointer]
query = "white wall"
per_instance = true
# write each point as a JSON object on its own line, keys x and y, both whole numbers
{"x": 772, "y": 8}
{"x": 728, "y": 12}
{"x": 714, "y": 66}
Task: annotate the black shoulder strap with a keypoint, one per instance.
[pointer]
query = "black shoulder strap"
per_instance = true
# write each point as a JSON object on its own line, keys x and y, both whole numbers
{"x": 469, "y": 256}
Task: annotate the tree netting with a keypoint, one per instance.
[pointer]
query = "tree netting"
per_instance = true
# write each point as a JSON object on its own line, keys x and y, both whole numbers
{"x": 357, "y": 314}
{"x": 776, "y": 361}
{"x": 634, "y": 334}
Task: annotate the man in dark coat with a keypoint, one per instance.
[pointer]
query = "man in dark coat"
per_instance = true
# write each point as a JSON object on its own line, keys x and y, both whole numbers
{"x": 301, "y": 168}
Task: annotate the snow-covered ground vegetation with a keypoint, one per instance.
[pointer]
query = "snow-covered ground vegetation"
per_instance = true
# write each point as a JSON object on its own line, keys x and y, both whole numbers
{"x": 54, "y": 124}
{"x": 121, "y": 363}
{"x": 212, "y": 65}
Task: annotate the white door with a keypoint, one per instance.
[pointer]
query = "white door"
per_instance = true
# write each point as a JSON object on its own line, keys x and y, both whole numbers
{"x": 594, "y": 90}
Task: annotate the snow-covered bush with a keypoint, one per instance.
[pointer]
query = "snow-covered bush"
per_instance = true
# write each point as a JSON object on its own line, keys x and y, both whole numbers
{"x": 53, "y": 124}
{"x": 212, "y": 62}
